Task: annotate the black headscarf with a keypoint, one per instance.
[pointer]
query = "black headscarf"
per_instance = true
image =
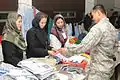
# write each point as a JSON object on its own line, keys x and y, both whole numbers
{"x": 41, "y": 31}
{"x": 36, "y": 20}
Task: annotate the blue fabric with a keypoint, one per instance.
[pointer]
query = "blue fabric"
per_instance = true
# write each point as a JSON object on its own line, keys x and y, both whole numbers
{"x": 119, "y": 36}
{"x": 70, "y": 30}
{"x": 81, "y": 36}
{"x": 76, "y": 31}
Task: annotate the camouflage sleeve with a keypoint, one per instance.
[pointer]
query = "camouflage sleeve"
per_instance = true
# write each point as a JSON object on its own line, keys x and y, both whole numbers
{"x": 90, "y": 40}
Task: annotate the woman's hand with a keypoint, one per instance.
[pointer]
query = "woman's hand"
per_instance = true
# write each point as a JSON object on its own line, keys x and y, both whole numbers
{"x": 53, "y": 49}
{"x": 62, "y": 50}
{"x": 52, "y": 53}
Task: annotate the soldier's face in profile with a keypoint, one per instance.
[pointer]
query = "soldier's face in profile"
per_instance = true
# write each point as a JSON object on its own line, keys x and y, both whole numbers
{"x": 95, "y": 16}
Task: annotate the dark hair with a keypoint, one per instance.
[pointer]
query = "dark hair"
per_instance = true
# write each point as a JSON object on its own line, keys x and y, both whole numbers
{"x": 87, "y": 20}
{"x": 37, "y": 19}
{"x": 19, "y": 16}
{"x": 43, "y": 15}
{"x": 115, "y": 13}
{"x": 99, "y": 7}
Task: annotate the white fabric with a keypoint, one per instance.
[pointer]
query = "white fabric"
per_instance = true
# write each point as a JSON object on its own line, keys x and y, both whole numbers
{"x": 1, "y": 54}
{"x": 117, "y": 54}
{"x": 54, "y": 42}
{"x": 64, "y": 35}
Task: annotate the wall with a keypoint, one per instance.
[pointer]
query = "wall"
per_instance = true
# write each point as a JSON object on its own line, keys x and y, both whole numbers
{"x": 89, "y": 4}
{"x": 8, "y": 5}
{"x": 117, "y": 5}
{"x": 108, "y": 4}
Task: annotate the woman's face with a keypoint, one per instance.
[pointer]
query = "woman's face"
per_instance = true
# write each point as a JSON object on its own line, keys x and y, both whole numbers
{"x": 60, "y": 23}
{"x": 42, "y": 22}
{"x": 19, "y": 23}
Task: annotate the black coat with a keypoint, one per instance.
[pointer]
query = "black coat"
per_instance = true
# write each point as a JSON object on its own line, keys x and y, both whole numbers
{"x": 37, "y": 41}
{"x": 11, "y": 53}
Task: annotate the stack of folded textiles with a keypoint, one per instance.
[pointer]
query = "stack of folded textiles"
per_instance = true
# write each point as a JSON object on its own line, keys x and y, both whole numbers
{"x": 39, "y": 69}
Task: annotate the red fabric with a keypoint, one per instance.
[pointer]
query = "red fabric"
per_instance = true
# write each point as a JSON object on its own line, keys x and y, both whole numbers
{"x": 34, "y": 11}
{"x": 0, "y": 39}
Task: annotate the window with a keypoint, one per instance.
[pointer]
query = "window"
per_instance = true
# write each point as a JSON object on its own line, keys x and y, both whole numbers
{"x": 66, "y": 14}
{"x": 1, "y": 27}
{"x": 3, "y": 17}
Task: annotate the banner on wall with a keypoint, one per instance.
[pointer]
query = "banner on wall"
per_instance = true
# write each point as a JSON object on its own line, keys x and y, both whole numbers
{"x": 25, "y": 9}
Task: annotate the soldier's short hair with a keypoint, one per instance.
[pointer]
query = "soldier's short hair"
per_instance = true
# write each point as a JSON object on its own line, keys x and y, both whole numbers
{"x": 99, "y": 7}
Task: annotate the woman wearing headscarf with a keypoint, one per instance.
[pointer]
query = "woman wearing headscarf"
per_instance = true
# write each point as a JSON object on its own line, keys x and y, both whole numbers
{"x": 58, "y": 36}
{"x": 13, "y": 43}
{"x": 37, "y": 40}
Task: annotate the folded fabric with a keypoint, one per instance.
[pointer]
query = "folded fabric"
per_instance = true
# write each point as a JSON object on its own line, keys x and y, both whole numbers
{"x": 41, "y": 70}
{"x": 74, "y": 40}
{"x": 76, "y": 60}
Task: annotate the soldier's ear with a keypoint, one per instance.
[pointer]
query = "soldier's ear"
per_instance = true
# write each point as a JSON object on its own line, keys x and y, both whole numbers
{"x": 98, "y": 12}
